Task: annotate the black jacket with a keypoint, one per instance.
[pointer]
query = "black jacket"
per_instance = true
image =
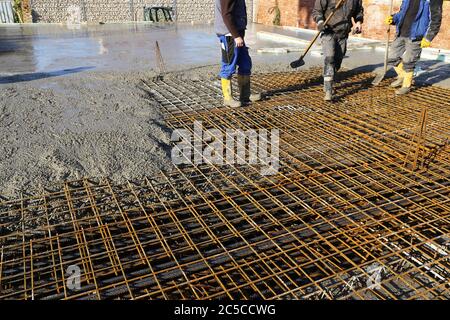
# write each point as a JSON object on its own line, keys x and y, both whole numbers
{"x": 231, "y": 17}
{"x": 342, "y": 20}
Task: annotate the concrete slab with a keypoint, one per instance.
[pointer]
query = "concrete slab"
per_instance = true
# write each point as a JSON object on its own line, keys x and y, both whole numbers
{"x": 38, "y": 50}
{"x": 111, "y": 47}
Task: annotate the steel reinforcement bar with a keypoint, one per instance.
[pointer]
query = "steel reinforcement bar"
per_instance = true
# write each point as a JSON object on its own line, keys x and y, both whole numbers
{"x": 343, "y": 218}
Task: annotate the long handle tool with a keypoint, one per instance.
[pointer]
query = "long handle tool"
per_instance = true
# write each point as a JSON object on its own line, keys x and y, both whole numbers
{"x": 381, "y": 76}
{"x": 300, "y": 62}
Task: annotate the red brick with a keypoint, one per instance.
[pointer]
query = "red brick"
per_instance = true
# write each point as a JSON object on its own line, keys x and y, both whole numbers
{"x": 298, "y": 14}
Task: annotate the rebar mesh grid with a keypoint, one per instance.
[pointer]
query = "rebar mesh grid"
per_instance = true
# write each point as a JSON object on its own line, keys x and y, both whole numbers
{"x": 343, "y": 218}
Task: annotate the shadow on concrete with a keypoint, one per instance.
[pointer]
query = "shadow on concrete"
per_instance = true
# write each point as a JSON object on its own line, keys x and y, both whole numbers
{"x": 40, "y": 75}
{"x": 434, "y": 72}
{"x": 358, "y": 85}
{"x": 150, "y": 96}
{"x": 355, "y": 87}
{"x": 301, "y": 86}
{"x": 361, "y": 69}
{"x": 341, "y": 76}
{"x": 434, "y": 153}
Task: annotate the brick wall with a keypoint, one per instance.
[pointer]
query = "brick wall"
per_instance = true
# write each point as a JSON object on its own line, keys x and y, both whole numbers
{"x": 288, "y": 12}
{"x": 197, "y": 11}
{"x": 305, "y": 19}
{"x": 377, "y": 10}
{"x": 443, "y": 38}
{"x": 297, "y": 13}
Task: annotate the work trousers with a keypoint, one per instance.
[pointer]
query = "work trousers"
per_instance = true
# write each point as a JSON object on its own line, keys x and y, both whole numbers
{"x": 405, "y": 50}
{"x": 334, "y": 48}
{"x": 234, "y": 58}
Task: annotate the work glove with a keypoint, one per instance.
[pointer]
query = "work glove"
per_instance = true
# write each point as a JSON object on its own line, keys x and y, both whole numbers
{"x": 357, "y": 29}
{"x": 389, "y": 20}
{"x": 321, "y": 26}
{"x": 425, "y": 43}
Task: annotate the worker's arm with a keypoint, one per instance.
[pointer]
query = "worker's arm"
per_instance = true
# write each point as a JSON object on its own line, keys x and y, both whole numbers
{"x": 396, "y": 17}
{"x": 318, "y": 13}
{"x": 227, "y": 7}
{"x": 436, "y": 19}
{"x": 359, "y": 12}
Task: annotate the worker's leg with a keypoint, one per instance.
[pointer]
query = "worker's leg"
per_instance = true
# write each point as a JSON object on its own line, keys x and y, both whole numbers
{"x": 229, "y": 57}
{"x": 244, "y": 63}
{"x": 340, "y": 51}
{"x": 329, "y": 49}
{"x": 413, "y": 50}
{"x": 396, "y": 51}
{"x": 229, "y": 63}
{"x": 329, "y": 52}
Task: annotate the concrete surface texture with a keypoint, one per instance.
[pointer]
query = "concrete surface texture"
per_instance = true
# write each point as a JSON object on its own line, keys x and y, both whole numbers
{"x": 71, "y": 102}
{"x": 112, "y": 47}
{"x": 95, "y": 124}
{"x": 36, "y": 51}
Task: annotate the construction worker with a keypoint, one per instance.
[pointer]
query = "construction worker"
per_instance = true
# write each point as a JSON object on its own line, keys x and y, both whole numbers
{"x": 230, "y": 25}
{"x": 418, "y": 22}
{"x": 335, "y": 34}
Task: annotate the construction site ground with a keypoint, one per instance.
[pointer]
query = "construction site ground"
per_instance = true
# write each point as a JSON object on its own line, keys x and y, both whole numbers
{"x": 87, "y": 180}
{"x": 72, "y": 104}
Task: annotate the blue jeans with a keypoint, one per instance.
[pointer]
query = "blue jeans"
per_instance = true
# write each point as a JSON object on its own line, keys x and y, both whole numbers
{"x": 233, "y": 57}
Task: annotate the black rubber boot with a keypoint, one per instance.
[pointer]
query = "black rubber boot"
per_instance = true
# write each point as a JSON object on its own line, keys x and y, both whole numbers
{"x": 245, "y": 92}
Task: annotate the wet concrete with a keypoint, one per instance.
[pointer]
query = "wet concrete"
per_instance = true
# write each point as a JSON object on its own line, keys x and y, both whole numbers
{"x": 29, "y": 52}
{"x": 110, "y": 47}
{"x": 72, "y": 103}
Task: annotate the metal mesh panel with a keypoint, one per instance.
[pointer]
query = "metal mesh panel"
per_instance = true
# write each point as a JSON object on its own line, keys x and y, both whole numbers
{"x": 343, "y": 218}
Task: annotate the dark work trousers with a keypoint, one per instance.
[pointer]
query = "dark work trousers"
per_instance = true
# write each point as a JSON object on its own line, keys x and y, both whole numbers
{"x": 334, "y": 48}
{"x": 405, "y": 50}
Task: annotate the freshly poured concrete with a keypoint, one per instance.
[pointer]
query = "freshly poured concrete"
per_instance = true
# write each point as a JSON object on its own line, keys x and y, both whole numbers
{"x": 39, "y": 50}
{"x": 114, "y": 47}
{"x": 71, "y": 103}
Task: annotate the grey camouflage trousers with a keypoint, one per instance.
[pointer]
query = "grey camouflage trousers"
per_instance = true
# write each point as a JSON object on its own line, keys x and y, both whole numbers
{"x": 404, "y": 50}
